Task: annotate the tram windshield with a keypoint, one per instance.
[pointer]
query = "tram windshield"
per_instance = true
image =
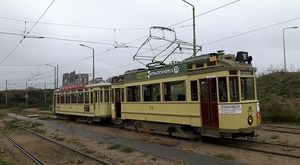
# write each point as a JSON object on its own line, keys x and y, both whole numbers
{"x": 247, "y": 88}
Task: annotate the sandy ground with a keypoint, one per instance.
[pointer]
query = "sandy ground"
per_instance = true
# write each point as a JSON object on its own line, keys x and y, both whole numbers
{"x": 122, "y": 155}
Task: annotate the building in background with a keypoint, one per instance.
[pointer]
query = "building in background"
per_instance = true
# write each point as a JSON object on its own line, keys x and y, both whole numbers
{"x": 73, "y": 78}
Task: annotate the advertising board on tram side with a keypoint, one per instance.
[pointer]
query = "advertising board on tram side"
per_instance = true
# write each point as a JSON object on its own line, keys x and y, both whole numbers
{"x": 230, "y": 109}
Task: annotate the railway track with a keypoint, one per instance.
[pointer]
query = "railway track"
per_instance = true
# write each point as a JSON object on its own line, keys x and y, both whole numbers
{"x": 281, "y": 129}
{"x": 33, "y": 158}
{"x": 72, "y": 149}
{"x": 263, "y": 147}
{"x": 39, "y": 162}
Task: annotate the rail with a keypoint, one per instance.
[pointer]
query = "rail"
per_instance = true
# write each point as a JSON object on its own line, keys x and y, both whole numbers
{"x": 21, "y": 149}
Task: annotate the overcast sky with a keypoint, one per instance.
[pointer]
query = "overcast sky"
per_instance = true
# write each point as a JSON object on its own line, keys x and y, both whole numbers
{"x": 116, "y": 29}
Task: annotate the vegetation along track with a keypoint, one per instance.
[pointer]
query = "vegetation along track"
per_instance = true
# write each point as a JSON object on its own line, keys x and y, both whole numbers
{"x": 30, "y": 155}
{"x": 37, "y": 161}
{"x": 263, "y": 147}
{"x": 281, "y": 129}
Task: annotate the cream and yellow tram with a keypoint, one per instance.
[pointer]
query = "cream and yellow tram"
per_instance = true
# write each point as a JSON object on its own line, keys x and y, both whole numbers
{"x": 89, "y": 103}
{"x": 208, "y": 95}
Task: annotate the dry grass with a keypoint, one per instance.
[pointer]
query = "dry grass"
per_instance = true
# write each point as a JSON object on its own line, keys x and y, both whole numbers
{"x": 169, "y": 143}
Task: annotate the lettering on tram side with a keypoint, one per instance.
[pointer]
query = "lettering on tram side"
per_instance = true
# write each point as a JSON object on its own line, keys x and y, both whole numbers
{"x": 230, "y": 109}
{"x": 174, "y": 69}
{"x": 151, "y": 107}
{"x": 167, "y": 70}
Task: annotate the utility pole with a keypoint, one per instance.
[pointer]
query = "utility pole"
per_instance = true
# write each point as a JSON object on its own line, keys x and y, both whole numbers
{"x": 26, "y": 96}
{"x": 93, "y": 60}
{"x": 295, "y": 27}
{"x": 6, "y": 94}
{"x": 57, "y": 76}
{"x": 194, "y": 27}
{"x": 54, "y": 81}
{"x": 45, "y": 93}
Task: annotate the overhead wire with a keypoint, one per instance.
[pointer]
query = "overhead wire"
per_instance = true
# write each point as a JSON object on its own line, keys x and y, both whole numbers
{"x": 251, "y": 31}
{"x": 72, "y": 25}
{"x": 177, "y": 24}
{"x": 27, "y": 33}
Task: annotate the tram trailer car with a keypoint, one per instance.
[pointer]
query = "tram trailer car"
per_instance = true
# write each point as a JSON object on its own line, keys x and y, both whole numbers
{"x": 88, "y": 103}
{"x": 211, "y": 95}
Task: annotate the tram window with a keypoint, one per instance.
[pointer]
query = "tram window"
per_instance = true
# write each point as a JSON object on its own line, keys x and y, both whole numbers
{"x": 174, "y": 91}
{"x": 200, "y": 65}
{"x": 151, "y": 92}
{"x": 86, "y": 97}
{"x": 106, "y": 96}
{"x": 211, "y": 63}
{"x": 122, "y": 94}
{"x": 222, "y": 89}
{"x": 74, "y": 97}
{"x": 247, "y": 88}
{"x": 92, "y": 99}
{"x": 68, "y": 97}
{"x": 133, "y": 93}
{"x": 112, "y": 95}
{"x": 80, "y": 97}
{"x": 204, "y": 91}
{"x": 234, "y": 92}
{"x": 62, "y": 99}
{"x": 96, "y": 96}
{"x": 101, "y": 96}
{"x": 57, "y": 98}
{"x": 233, "y": 72}
{"x": 213, "y": 91}
{"x": 194, "y": 90}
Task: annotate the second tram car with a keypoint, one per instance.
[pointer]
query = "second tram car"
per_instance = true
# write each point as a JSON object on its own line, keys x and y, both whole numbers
{"x": 89, "y": 103}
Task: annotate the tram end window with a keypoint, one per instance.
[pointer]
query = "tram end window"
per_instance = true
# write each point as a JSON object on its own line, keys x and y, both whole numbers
{"x": 247, "y": 88}
{"x": 222, "y": 89}
{"x": 234, "y": 89}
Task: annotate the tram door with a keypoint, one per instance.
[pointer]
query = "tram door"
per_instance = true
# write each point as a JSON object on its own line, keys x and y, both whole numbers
{"x": 208, "y": 102}
{"x": 118, "y": 102}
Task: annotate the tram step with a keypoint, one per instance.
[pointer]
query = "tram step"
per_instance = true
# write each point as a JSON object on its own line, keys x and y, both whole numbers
{"x": 211, "y": 132}
{"x": 118, "y": 121}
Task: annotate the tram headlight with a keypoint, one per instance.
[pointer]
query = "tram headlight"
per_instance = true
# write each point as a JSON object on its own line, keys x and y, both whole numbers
{"x": 250, "y": 119}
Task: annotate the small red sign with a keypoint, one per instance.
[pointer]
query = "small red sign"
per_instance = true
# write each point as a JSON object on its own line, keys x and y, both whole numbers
{"x": 72, "y": 86}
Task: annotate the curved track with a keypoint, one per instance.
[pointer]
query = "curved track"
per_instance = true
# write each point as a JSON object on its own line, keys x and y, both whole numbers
{"x": 281, "y": 129}
{"x": 234, "y": 143}
{"x": 22, "y": 149}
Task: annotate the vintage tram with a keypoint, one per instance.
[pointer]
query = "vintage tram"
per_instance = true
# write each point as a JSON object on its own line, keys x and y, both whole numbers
{"x": 208, "y": 95}
{"x": 89, "y": 103}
